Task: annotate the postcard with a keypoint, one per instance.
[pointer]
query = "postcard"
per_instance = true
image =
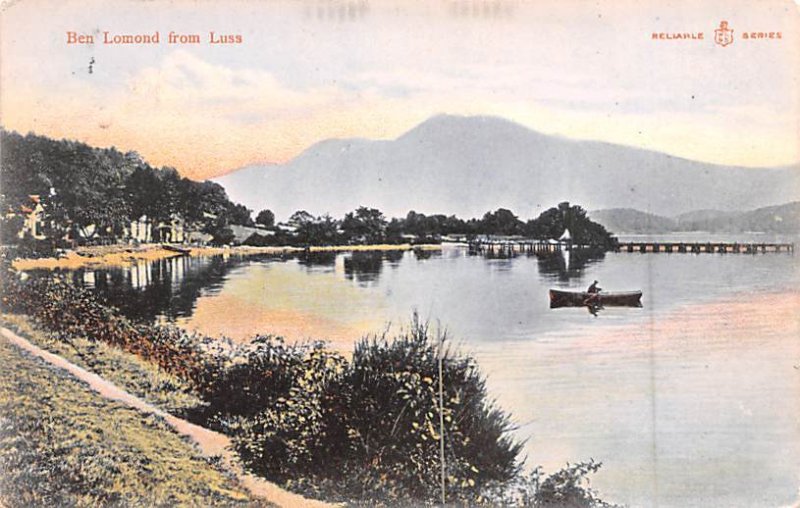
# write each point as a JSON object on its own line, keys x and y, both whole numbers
{"x": 400, "y": 253}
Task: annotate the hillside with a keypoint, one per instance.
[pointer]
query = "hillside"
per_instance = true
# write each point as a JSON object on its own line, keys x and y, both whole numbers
{"x": 469, "y": 165}
{"x": 780, "y": 219}
{"x": 698, "y": 216}
{"x": 783, "y": 219}
{"x": 628, "y": 220}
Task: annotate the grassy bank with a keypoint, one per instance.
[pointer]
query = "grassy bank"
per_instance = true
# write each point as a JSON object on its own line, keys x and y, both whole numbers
{"x": 63, "y": 445}
{"x": 124, "y": 255}
{"x": 126, "y": 370}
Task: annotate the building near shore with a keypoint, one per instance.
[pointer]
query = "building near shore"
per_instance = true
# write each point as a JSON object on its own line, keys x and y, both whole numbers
{"x": 33, "y": 213}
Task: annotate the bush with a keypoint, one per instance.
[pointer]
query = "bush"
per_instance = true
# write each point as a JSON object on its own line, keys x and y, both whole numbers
{"x": 395, "y": 412}
{"x": 372, "y": 426}
{"x": 566, "y": 488}
{"x": 257, "y": 240}
{"x": 300, "y": 431}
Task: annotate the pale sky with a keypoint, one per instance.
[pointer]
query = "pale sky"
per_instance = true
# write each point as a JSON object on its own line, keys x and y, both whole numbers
{"x": 312, "y": 70}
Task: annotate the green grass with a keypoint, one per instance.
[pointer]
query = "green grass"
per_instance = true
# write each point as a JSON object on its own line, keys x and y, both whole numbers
{"x": 61, "y": 444}
{"x": 126, "y": 370}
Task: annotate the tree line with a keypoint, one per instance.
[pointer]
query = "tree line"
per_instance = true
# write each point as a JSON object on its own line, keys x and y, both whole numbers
{"x": 369, "y": 226}
{"x": 93, "y": 194}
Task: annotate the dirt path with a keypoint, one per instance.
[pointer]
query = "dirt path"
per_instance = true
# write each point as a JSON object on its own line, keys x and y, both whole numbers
{"x": 209, "y": 442}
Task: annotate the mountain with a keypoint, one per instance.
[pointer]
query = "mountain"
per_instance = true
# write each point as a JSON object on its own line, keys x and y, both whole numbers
{"x": 780, "y": 219}
{"x": 697, "y": 218}
{"x": 469, "y": 165}
{"x": 783, "y": 219}
{"x": 628, "y": 220}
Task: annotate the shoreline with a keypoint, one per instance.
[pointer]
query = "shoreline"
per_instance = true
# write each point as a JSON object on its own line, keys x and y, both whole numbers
{"x": 125, "y": 255}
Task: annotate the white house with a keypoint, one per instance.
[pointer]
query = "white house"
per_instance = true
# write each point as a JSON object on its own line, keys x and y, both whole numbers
{"x": 34, "y": 219}
{"x": 172, "y": 231}
{"x": 142, "y": 230}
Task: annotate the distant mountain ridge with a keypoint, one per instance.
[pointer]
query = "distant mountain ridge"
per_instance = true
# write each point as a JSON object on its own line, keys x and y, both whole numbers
{"x": 628, "y": 220}
{"x": 781, "y": 219}
{"x": 469, "y": 165}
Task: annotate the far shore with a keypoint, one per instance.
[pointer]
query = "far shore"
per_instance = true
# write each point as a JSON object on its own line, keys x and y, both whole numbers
{"x": 124, "y": 255}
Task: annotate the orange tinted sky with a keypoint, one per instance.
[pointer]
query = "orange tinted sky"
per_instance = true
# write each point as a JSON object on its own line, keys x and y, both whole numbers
{"x": 310, "y": 70}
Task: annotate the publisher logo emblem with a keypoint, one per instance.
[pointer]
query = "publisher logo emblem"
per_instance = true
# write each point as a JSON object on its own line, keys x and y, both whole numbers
{"x": 723, "y": 35}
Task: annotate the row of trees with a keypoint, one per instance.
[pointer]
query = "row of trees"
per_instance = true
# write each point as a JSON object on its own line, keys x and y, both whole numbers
{"x": 93, "y": 193}
{"x": 97, "y": 192}
{"x": 369, "y": 225}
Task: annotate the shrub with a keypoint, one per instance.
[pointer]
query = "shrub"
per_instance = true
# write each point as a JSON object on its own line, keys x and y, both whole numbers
{"x": 257, "y": 240}
{"x": 372, "y": 426}
{"x": 395, "y": 413}
{"x": 300, "y": 431}
{"x": 566, "y": 488}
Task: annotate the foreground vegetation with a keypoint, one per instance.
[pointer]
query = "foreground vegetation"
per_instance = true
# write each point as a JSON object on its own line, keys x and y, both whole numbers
{"x": 363, "y": 429}
{"x": 63, "y": 445}
{"x": 128, "y": 371}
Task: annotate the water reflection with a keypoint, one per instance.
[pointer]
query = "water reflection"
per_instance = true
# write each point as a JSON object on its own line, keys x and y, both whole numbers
{"x": 169, "y": 288}
{"x": 364, "y": 267}
{"x": 394, "y": 257}
{"x": 315, "y": 260}
{"x": 565, "y": 265}
{"x": 422, "y": 254}
{"x": 165, "y": 287}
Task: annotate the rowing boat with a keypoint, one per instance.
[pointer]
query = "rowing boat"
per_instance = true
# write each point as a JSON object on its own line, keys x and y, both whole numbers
{"x": 173, "y": 248}
{"x": 582, "y": 298}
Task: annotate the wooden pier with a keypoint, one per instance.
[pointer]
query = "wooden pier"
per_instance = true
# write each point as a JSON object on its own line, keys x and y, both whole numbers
{"x": 704, "y": 247}
{"x": 503, "y": 248}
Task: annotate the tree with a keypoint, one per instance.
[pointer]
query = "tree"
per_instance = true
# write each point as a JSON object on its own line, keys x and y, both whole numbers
{"x": 146, "y": 195}
{"x": 310, "y": 230}
{"x": 299, "y": 218}
{"x": 553, "y": 222}
{"x": 365, "y": 225}
{"x": 240, "y": 214}
{"x": 266, "y": 218}
{"x": 221, "y": 233}
{"x": 549, "y": 225}
{"x": 301, "y": 221}
{"x": 501, "y": 222}
{"x": 10, "y": 227}
{"x": 323, "y": 230}
{"x": 95, "y": 191}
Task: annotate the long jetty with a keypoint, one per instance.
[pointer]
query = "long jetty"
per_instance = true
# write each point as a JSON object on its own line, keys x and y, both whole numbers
{"x": 512, "y": 247}
{"x": 705, "y": 247}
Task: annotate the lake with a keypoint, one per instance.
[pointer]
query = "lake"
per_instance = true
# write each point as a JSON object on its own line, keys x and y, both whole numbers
{"x": 691, "y": 400}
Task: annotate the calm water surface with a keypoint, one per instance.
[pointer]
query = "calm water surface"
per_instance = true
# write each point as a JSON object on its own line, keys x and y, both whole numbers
{"x": 692, "y": 400}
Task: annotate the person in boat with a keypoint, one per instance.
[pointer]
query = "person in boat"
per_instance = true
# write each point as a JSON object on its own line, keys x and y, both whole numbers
{"x": 594, "y": 295}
